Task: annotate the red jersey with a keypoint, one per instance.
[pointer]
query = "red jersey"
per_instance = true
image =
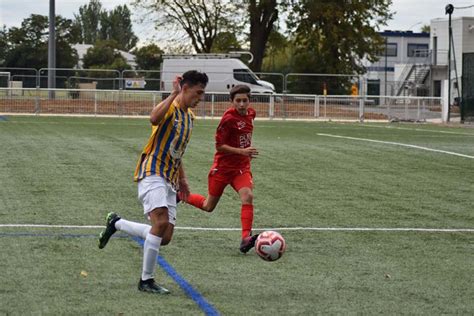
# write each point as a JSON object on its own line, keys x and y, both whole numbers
{"x": 234, "y": 130}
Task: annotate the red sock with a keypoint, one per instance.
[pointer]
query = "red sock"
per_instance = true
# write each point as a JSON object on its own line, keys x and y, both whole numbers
{"x": 246, "y": 218}
{"x": 196, "y": 200}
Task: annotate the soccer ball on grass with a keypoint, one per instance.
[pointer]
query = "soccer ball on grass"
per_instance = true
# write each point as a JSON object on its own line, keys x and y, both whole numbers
{"x": 270, "y": 245}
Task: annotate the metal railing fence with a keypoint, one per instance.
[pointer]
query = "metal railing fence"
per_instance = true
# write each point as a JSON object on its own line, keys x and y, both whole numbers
{"x": 276, "y": 106}
{"x": 151, "y": 80}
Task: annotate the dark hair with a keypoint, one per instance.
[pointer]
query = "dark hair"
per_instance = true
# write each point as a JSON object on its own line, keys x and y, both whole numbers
{"x": 194, "y": 77}
{"x": 240, "y": 88}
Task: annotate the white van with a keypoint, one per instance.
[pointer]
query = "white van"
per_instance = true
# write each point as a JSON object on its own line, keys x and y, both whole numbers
{"x": 223, "y": 71}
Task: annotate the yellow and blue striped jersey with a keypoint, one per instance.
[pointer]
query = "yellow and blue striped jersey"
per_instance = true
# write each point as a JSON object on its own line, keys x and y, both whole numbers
{"x": 166, "y": 145}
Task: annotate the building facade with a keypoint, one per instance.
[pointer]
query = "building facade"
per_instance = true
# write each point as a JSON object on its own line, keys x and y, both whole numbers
{"x": 403, "y": 49}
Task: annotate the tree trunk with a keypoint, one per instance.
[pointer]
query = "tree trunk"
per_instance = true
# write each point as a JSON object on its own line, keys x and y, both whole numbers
{"x": 262, "y": 17}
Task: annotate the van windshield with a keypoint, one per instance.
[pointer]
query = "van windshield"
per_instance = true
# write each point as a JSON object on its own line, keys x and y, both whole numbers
{"x": 245, "y": 75}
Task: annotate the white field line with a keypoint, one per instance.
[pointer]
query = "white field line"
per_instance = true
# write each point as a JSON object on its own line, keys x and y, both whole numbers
{"x": 417, "y": 129}
{"x": 344, "y": 229}
{"x": 398, "y": 144}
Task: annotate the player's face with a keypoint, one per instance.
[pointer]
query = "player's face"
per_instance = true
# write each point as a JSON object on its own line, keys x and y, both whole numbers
{"x": 241, "y": 103}
{"x": 193, "y": 94}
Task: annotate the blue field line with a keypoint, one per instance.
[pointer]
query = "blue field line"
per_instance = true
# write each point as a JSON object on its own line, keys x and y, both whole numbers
{"x": 3, "y": 118}
{"x": 205, "y": 306}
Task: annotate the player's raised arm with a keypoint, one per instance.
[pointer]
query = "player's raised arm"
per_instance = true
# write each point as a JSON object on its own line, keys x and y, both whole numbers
{"x": 159, "y": 111}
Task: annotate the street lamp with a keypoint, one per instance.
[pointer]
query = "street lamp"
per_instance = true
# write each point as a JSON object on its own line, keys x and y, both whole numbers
{"x": 52, "y": 48}
{"x": 449, "y": 10}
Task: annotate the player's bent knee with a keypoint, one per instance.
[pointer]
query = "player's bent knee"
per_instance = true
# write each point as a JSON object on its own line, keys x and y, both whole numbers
{"x": 247, "y": 198}
{"x": 158, "y": 227}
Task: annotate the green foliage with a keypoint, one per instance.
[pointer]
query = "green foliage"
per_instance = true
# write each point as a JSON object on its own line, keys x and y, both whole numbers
{"x": 278, "y": 53}
{"x": 225, "y": 42}
{"x": 117, "y": 25}
{"x": 148, "y": 57}
{"x": 104, "y": 55}
{"x": 96, "y": 23}
{"x": 88, "y": 20}
{"x": 77, "y": 169}
{"x": 27, "y": 46}
{"x": 425, "y": 28}
{"x": 3, "y": 44}
{"x": 334, "y": 37}
{"x": 119, "y": 63}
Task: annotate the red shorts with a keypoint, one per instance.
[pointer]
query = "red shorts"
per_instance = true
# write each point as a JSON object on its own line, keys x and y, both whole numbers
{"x": 219, "y": 179}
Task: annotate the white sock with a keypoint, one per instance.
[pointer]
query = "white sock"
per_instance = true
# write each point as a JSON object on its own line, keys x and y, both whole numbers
{"x": 132, "y": 228}
{"x": 150, "y": 252}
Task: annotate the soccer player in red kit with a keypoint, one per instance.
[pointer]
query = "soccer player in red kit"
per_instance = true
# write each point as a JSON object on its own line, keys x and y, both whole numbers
{"x": 232, "y": 162}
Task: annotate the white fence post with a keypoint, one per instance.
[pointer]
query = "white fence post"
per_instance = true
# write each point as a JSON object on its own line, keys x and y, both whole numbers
{"x": 444, "y": 104}
{"x": 325, "y": 105}
{"x": 316, "y": 106}
{"x": 423, "y": 110}
{"x": 271, "y": 107}
{"x": 37, "y": 100}
{"x": 406, "y": 107}
{"x": 95, "y": 103}
{"x": 361, "y": 110}
{"x": 212, "y": 105}
{"x": 418, "y": 110}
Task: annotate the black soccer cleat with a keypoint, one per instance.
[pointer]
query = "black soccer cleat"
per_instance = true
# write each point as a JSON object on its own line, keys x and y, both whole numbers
{"x": 248, "y": 243}
{"x": 151, "y": 287}
{"x": 109, "y": 230}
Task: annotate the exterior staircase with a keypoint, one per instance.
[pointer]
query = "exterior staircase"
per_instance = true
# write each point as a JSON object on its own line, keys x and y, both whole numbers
{"x": 413, "y": 75}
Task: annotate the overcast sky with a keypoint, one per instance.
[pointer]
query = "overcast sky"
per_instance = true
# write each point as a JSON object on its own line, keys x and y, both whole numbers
{"x": 410, "y": 14}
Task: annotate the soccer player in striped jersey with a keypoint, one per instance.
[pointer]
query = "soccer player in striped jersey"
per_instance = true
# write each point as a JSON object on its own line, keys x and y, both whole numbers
{"x": 231, "y": 165}
{"x": 160, "y": 173}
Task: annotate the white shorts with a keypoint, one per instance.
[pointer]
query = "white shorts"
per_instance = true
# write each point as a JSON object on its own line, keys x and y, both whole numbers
{"x": 153, "y": 192}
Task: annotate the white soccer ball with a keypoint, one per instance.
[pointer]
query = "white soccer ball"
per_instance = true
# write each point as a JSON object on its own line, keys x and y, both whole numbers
{"x": 270, "y": 245}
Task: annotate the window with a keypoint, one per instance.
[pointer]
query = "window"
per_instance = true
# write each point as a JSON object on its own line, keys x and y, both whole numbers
{"x": 417, "y": 50}
{"x": 245, "y": 75}
{"x": 391, "y": 50}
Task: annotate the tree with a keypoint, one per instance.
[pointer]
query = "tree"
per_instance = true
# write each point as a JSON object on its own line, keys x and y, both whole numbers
{"x": 425, "y": 28}
{"x": 104, "y": 55}
{"x": 3, "y": 44}
{"x": 148, "y": 57}
{"x": 333, "y": 37}
{"x": 88, "y": 20}
{"x": 96, "y": 23}
{"x": 263, "y": 14}
{"x": 225, "y": 42}
{"x": 276, "y": 56}
{"x": 341, "y": 32}
{"x": 117, "y": 25}
{"x": 27, "y": 46}
{"x": 200, "y": 20}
